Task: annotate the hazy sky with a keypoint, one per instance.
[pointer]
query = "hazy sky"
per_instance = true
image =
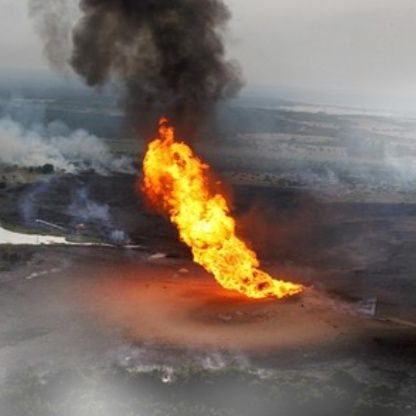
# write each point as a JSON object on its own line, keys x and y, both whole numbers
{"x": 354, "y": 45}
{"x": 347, "y": 45}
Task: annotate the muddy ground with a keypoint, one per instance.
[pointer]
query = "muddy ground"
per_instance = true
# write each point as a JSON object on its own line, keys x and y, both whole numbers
{"x": 363, "y": 250}
{"x": 115, "y": 331}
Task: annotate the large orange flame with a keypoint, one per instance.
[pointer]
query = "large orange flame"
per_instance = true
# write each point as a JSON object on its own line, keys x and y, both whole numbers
{"x": 176, "y": 181}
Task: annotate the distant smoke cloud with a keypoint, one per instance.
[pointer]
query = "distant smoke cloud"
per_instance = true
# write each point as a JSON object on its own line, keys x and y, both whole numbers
{"x": 70, "y": 152}
{"x": 54, "y": 20}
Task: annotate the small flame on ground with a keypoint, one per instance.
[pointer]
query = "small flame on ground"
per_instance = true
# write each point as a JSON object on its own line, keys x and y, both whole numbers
{"x": 176, "y": 182}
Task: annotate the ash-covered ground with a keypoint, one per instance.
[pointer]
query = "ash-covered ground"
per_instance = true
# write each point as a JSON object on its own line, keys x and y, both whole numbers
{"x": 133, "y": 327}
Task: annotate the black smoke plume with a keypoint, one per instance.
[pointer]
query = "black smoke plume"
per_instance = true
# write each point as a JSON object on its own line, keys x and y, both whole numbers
{"x": 168, "y": 55}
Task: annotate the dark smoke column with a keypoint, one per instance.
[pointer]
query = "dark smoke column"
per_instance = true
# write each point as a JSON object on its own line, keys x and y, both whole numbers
{"x": 167, "y": 54}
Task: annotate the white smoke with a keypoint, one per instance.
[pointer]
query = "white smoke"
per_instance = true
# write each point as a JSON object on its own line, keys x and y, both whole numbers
{"x": 83, "y": 209}
{"x": 69, "y": 152}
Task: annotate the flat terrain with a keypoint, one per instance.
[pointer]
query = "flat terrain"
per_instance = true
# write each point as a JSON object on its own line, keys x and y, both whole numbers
{"x": 326, "y": 200}
{"x": 108, "y": 314}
